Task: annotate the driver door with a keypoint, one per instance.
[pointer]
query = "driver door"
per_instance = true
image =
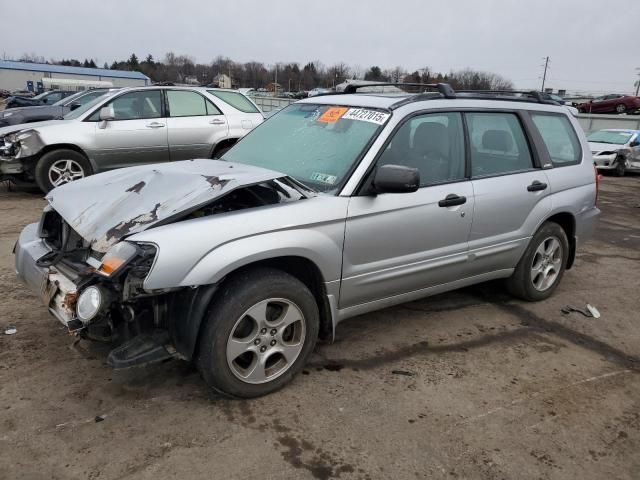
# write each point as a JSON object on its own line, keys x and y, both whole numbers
{"x": 396, "y": 243}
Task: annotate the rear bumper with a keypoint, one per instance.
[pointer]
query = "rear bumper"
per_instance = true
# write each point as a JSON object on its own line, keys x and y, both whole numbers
{"x": 56, "y": 291}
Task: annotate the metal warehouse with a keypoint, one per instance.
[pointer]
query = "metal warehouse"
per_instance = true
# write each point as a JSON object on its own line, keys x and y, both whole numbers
{"x": 35, "y": 76}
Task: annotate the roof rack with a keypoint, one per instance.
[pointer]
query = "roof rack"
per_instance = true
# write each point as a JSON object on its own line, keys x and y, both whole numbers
{"x": 444, "y": 88}
{"x": 495, "y": 94}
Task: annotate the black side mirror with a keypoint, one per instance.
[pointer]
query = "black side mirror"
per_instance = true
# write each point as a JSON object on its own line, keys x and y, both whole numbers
{"x": 73, "y": 106}
{"x": 396, "y": 179}
{"x": 635, "y": 143}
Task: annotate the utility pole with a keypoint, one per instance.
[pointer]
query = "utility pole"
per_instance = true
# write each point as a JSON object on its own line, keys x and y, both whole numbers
{"x": 638, "y": 82}
{"x": 544, "y": 76}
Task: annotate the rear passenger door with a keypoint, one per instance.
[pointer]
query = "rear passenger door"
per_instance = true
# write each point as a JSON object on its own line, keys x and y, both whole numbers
{"x": 396, "y": 243}
{"x": 510, "y": 188}
{"x": 195, "y": 125}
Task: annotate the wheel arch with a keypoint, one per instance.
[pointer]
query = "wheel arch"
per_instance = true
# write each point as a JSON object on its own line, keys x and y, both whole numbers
{"x": 567, "y": 221}
{"x": 194, "y": 303}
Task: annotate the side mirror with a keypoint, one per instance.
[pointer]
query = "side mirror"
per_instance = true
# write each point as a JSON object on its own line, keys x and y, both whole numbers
{"x": 106, "y": 114}
{"x": 396, "y": 179}
{"x": 73, "y": 106}
{"x": 635, "y": 143}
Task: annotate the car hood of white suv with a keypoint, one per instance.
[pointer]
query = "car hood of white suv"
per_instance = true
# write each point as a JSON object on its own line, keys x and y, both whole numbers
{"x": 107, "y": 207}
{"x": 597, "y": 147}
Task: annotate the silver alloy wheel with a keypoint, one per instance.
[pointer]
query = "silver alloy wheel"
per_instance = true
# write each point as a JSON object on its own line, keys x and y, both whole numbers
{"x": 65, "y": 171}
{"x": 546, "y": 264}
{"x": 266, "y": 340}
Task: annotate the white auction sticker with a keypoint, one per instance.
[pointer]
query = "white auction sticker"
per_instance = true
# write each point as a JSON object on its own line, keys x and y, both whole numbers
{"x": 366, "y": 115}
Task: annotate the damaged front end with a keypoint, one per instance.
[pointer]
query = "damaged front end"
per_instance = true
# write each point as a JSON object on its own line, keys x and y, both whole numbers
{"x": 92, "y": 279}
{"x": 17, "y": 153}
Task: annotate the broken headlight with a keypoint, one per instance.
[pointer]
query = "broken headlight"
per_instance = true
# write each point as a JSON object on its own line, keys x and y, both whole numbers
{"x": 117, "y": 257}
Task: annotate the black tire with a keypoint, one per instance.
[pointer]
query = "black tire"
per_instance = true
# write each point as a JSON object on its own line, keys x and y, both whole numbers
{"x": 620, "y": 167}
{"x": 621, "y": 108}
{"x": 521, "y": 283}
{"x": 48, "y": 160}
{"x": 238, "y": 294}
{"x": 219, "y": 153}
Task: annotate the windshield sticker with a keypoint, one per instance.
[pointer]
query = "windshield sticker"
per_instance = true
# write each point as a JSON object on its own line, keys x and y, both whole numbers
{"x": 365, "y": 115}
{"x": 333, "y": 114}
{"x": 324, "y": 177}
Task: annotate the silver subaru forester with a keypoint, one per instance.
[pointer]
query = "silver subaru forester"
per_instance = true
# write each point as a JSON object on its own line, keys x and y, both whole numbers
{"x": 336, "y": 206}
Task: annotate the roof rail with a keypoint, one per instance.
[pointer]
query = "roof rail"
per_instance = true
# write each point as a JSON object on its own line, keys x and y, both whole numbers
{"x": 530, "y": 95}
{"x": 444, "y": 88}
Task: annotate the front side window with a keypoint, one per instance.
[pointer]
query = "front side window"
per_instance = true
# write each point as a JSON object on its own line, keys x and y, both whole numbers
{"x": 559, "y": 137}
{"x": 432, "y": 143}
{"x": 498, "y": 144}
{"x": 183, "y": 103}
{"x": 236, "y": 100}
{"x": 315, "y": 144}
{"x": 137, "y": 105}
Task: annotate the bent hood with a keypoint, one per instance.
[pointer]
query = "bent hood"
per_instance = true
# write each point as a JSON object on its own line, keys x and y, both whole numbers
{"x": 107, "y": 207}
{"x": 597, "y": 147}
{"x": 27, "y": 126}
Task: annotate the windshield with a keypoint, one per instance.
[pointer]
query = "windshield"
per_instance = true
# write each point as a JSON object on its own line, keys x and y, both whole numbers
{"x": 610, "y": 136}
{"x": 40, "y": 96}
{"x": 64, "y": 100}
{"x": 315, "y": 144}
{"x": 84, "y": 108}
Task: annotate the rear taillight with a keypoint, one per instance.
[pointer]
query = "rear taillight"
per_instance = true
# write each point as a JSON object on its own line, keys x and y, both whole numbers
{"x": 598, "y": 177}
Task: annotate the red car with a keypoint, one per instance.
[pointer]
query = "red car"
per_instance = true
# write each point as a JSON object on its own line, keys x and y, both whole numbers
{"x": 611, "y": 104}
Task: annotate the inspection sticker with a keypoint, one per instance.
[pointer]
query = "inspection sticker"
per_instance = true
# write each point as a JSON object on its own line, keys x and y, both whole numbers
{"x": 333, "y": 114}
{"x": 365, "y": 115}
{"x": 323, "y": 178}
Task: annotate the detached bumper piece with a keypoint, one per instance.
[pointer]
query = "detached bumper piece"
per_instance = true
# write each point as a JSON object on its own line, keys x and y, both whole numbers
{"x": 141, "y": 350}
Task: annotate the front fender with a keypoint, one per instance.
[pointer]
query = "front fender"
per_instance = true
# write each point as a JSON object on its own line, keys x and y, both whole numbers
{"x": 308, "y": 244}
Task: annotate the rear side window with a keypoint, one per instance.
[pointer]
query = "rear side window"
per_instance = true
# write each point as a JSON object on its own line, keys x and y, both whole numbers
{"x": 183, "y": 103}
{"x": 559, "y": 137}
{"x": 498, "y": 144}
{"x": 236, "y": 100}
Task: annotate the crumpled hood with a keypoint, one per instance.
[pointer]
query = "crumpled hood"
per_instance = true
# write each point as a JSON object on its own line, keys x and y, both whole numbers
{"x": 604, "y": 147}
{"x": 107, "y": 207}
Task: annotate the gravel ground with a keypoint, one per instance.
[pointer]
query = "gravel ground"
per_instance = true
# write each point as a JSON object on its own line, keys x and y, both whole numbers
{"x": 471, "y": 384}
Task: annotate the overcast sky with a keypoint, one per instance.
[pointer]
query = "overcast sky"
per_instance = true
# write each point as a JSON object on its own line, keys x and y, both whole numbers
{"x": 593, "y": 45}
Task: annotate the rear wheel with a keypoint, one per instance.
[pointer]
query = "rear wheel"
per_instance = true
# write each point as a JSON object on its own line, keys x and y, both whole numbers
{"x": 58, "y": 167}
{"x": 542, "y": 266}
{"x": 261, "y": 328}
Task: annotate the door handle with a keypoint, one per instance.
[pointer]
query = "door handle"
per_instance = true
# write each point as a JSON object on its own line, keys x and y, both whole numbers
{"x": 537, "y": 186}
{"x": 452, "y": 200}
{"x": 155, "y": 125}
{"x": 217, "y": 121}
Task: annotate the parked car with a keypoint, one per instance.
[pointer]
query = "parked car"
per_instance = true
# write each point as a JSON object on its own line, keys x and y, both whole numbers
{"x": 23, "y": 93}
{"x": 615, "y": 103}
{"x": 130, "y": 127}
{"x": 615, "y": 150}
{"x": 337, "y": 206}
{"x": 319, "y": 91}
{"x": 46, "y": 98}
{"x": 39, "y": 113}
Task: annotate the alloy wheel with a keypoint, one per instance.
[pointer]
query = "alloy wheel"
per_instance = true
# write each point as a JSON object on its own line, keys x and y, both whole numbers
{"x": 546, "y": 264}
{"x": 65, "y": 171}
{"x": 266, "y": 340}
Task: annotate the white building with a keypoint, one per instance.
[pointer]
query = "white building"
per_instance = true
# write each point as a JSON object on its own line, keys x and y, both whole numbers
{"x": 19, "y": 75}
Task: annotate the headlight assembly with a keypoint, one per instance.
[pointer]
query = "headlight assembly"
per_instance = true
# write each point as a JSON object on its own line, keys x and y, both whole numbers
{"x": 7, "y": 114}
{"x": 117, "y": 257}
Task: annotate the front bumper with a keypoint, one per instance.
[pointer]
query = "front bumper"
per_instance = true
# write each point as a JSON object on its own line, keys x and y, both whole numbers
{"x": 11, "y": 166}
{"x": 56, "y": 290}
{"x": 605, "y": 162}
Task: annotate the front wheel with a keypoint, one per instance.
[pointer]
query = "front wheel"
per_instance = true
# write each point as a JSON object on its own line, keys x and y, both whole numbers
{"x": 621, "y": 167}
{"x": 58, "y": 167}
{"x": 260, "y": 329}
{"x": 542, "y": 266}
{"x": 621, "y": 108}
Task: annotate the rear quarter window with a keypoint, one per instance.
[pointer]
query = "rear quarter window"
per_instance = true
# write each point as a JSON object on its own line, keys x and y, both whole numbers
{"x": 236, "y": 100}
{"x": 559, "y": 138}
